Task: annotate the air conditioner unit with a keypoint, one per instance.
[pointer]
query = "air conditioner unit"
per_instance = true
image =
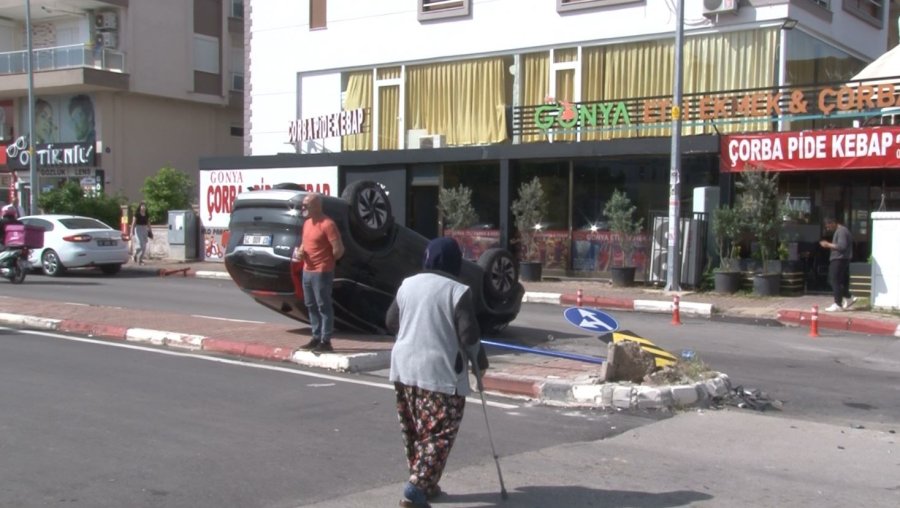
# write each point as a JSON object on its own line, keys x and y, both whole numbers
{"x": 433, "y": 141}
{"x": 107, "y": 39}
{"x": 106, "y": 20}
{"x": 690, "y": 251}
{"x": 715, "y": 7}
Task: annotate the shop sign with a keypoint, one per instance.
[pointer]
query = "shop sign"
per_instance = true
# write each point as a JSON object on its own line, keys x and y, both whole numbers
{"x": 219, "y": 187}
{"x": 725, "y": 107}
{"x": 568, "y": 115}
{"x": 865, "y": 148}
{"x": 343, "y": 123}
{"x": 51, "y": 155}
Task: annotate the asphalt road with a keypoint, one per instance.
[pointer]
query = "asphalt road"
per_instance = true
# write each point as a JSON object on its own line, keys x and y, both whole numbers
{"x": 842, "y": 378}
{"x": 93, "y": 424}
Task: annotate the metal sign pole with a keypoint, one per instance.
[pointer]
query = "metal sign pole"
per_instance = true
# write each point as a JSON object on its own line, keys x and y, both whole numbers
{"x": 673, "y": 263}
{"x": 32, "y": 165}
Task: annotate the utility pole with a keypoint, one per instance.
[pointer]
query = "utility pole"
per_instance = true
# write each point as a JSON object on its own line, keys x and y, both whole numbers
{"x": 29, "y": 62}
{"x": 673, "y": 261}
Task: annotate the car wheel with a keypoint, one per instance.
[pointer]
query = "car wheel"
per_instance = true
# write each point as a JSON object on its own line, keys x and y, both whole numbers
{"x": 110, "y": 269}
{"x": 370, "y": 210}
{"x": 500, "y": 273}
{"x": 51, "y": 264}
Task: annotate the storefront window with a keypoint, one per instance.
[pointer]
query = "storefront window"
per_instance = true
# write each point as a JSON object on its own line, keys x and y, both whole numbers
{"x": 484, "y": 182}
{"x": 815, "y": 63}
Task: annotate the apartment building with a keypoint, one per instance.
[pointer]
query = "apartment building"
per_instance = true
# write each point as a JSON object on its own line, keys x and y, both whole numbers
{"x": 429, "y": 94}
{"x": 121, "y": 87}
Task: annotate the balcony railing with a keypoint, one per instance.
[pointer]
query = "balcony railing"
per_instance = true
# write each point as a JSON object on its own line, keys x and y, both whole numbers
{"x": 64, "y": 57}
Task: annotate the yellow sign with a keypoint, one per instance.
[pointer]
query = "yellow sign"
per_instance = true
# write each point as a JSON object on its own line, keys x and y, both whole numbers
{"x": 662, "y": 357}
{"x": 676, "y": 112}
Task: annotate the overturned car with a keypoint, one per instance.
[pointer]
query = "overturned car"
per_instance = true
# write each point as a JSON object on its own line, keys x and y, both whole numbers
{"x": 265, "y": 229}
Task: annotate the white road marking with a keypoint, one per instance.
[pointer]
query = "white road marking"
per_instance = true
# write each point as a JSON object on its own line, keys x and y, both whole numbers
{"x": 241, "y": 363}
{"x": 228, "y": 319}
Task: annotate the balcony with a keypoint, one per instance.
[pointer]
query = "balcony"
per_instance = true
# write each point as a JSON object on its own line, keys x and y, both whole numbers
{"x": 63, "y": 57}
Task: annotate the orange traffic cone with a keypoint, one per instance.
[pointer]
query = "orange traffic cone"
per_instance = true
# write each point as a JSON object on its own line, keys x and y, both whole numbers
{"x": 676, "y": 311}
{"x": 814, "y": 322}
{"x": 578, "y": 298}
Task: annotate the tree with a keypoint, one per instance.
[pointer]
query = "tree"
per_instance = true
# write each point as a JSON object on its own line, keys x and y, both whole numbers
{"x": 620, "y": 212}
{"x": 169, "y": 189}
{"x": 71, "y": 198}
{"x": 456, "y": 207}
{"x": 529, "y": 210}
{"x": 761, "y": 209}
{"x": 727, "y": 225}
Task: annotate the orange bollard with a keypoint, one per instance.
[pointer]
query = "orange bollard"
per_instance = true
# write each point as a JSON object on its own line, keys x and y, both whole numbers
{"x": 676, "y": 311}
{"x": 814, "y": 322}
{"x": 578, "y": 298}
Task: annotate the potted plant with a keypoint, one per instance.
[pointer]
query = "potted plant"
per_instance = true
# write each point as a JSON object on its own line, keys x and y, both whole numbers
{"x": 761, "y": 210}
{"x": 620, "y": 212}
{"x": 727, "y": 227}
{"x": 455, "y": 205}
{"x": 528, "y": 211}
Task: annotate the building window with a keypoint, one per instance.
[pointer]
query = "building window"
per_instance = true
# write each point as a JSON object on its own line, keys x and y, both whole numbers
{"x": 572, "y": 5}
{"x": 868, "y": 10}
{"x": 436, "y": 9}
{"x": 206, "y": 54}
{"x": 237, "y": 8}
{"x": 317, "y": 17}
{"x": 237, "y": 131}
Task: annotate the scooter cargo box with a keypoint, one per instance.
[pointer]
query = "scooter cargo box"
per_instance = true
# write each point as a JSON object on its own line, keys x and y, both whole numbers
{"x": 24, "y": 235}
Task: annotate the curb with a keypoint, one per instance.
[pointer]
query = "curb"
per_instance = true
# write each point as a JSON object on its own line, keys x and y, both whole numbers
{"x": 839, "y": 322}
{"x": 654, "y": 306}
{"x": 353, "y": 362}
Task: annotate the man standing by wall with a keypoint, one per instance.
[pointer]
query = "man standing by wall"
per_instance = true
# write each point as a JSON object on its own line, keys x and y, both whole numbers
{"x": 841, "y": 247}
{"x": 320, "y": 248}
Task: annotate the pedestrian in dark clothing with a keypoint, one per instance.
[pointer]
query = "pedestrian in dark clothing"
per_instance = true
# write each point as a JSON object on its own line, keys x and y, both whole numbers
{"x": 437, "y": 332}
{"x": 841, "y": 247}
{"x": 141, "y": 232}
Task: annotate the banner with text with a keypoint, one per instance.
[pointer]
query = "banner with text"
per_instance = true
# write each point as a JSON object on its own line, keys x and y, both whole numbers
{"x": 219, "y": 187}
{"x": 865, "y": 148}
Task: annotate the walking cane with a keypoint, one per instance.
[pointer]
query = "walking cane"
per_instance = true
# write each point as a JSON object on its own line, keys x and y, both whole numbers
{"x": 487, "y": 424}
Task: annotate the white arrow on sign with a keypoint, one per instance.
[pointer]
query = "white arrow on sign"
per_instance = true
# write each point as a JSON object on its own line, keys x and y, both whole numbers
{"x": 589, "y": 320}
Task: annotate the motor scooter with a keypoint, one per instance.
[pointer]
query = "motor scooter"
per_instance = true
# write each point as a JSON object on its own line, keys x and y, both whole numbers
{"x": 14, "y": 264}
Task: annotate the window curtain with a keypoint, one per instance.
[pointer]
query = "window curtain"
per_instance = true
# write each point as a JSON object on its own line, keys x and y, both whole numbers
{"x": 465, "y": 101}
{"x": 535, "y": 88}
{"x": 359, "y": 95}
{"x": 388, "y": 110}
{"x": 712, "y": 63}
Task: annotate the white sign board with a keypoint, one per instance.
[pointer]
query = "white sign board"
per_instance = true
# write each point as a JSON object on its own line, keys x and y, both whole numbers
{"x": 885, "y": 262}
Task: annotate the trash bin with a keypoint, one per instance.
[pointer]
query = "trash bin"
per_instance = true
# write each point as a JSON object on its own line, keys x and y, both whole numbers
{"x": 182, "y": 235}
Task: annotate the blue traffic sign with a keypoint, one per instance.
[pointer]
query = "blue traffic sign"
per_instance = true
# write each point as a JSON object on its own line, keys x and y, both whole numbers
{"x": 592, "y": 320}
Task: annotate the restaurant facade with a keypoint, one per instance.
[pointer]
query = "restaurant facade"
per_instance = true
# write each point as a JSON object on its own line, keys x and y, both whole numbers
{"x": 586, "y": 117}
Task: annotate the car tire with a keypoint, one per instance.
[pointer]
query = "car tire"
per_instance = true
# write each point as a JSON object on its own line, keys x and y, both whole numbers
{"x": 371, "y": 218}
{"x": 111, "y": 269}
{"x": 500, "y": 274}
{"x": 51, "y": 264}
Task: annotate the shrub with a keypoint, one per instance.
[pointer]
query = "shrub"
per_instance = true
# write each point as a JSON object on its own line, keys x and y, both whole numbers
{"x": 529, "y": 210}
{"x": 72, "y": 199}
{"x": 169, "y": 189}
{"x": 456, "y": 207}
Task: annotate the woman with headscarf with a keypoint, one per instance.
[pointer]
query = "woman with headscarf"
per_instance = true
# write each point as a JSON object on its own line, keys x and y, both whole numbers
{"x": 437, "y": 332}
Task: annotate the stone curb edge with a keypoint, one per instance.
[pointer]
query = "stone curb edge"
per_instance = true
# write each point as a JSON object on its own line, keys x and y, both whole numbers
{"x": 354, "y": 362}
{"x": 707, "y": 310}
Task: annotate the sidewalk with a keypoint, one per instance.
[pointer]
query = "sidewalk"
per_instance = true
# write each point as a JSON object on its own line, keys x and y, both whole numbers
{"x": 541, "y": 378}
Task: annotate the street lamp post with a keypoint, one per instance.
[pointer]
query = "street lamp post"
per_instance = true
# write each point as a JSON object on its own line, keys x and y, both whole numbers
{"x": 673, "y": 262}
{"x": 32, "y": 165}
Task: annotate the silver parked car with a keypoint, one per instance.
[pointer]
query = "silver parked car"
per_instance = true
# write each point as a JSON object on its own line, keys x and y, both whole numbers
{"x": 71, "y": 241}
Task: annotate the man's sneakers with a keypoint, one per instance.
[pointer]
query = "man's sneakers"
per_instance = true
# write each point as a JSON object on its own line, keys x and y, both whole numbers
{"x": 834, "y": 308}
{"x": 848, "y": 302}
{"x": 323, "y": 347}
{"x": 311, "y": 345}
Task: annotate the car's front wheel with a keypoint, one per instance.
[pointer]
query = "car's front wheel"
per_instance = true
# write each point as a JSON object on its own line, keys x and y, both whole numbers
{"x": 51, "y": 264}
{"x": 500, "y": 274}
{"x": 370, "y": 210}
